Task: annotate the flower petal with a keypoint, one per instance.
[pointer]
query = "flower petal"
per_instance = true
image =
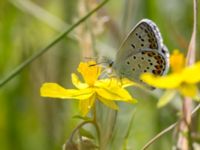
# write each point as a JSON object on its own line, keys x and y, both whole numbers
{"x": 118, "y": 94}
{"x": 77, "y": 83}
{"x": 90, "y": 71}
{"x": 86, "y": 105}
{"x": 169, "y": 81}
{"x": 56, "y": 91}
{"x": 190, "y": 90}
{"x": 191, "y": 73}
{"x": 166, "y": 98}
{"x": 126, "y": 83}
{"x": 108, "y": 103}
{"x": 177, "y": 61}
{"x": 114, "y": 82}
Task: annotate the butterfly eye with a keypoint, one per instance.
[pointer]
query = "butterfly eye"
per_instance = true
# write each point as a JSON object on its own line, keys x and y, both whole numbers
{"x": 111, "y": 64}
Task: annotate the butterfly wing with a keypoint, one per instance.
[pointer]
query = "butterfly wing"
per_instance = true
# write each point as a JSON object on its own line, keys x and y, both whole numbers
{"x": 142, "y": 51}
{"x": 141, "y": 62}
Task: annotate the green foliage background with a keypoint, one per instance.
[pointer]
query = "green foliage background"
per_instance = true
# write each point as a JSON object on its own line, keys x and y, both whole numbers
{"x": 28, "y": 121}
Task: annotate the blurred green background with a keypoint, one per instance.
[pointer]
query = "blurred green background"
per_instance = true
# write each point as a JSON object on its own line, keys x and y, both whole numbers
{"x": 30, "y": 122}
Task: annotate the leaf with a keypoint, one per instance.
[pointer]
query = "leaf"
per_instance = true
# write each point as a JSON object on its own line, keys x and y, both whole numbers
{"x": 82, "y": 118}
{"x": 86, "y": 133}
{"x": 87, "y": 144}
{"x": 166, "y": 98}
{"x": 128, "y": 131}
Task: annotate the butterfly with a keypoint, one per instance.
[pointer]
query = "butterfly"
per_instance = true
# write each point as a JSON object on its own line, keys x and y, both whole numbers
{"x": 142, "y": 51}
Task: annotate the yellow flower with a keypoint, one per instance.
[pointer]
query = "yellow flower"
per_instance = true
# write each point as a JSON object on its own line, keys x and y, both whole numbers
{"x": 105, "y": 90}
{"x": 177, "y": 61}
{"x": 182, "y": 79}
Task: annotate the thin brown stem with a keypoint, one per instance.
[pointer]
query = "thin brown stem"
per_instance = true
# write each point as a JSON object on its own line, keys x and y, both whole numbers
{"x": 192, "y": 46}
{"x": 184, "y": 126}
{"x": 169, "y": 128}
{"x": 184, "y": 141}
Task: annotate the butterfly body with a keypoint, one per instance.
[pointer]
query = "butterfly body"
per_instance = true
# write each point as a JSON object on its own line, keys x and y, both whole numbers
{"x": 142, "y": 51}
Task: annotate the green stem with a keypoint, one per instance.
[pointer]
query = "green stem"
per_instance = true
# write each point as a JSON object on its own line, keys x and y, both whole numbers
{"x": 95, "y": 112}
{"x": 51, "y": 44}
{"x": 80, "y": 126}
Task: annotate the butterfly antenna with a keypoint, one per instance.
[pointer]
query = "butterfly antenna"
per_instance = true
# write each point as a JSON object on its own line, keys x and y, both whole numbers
{"x": 110, "y": 65}
{"x": 90, "y": 58}
{"x": 92, "y": 65}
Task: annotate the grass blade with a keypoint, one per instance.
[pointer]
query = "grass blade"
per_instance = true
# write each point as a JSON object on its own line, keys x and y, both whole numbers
{"x": 39, "y": 53}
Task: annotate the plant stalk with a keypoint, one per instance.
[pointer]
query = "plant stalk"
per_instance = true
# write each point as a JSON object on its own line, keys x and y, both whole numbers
{"x": 184, "y": 138}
